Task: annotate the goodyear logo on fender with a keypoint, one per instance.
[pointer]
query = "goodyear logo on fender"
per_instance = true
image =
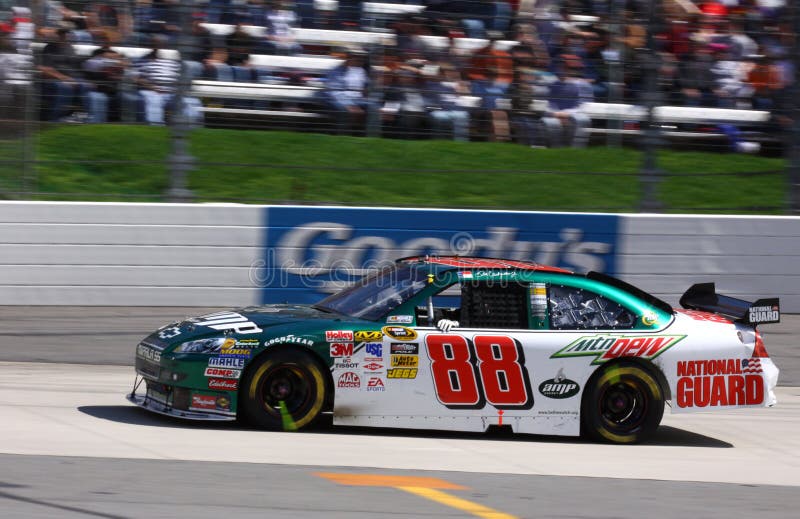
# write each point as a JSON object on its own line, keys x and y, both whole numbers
{"x": 608, "y": 347}
{"x": 368, "y": 336}
{"x": 405, "y": 361}
{"x": 402, "y": 373}
{"x": 399, "y": 333}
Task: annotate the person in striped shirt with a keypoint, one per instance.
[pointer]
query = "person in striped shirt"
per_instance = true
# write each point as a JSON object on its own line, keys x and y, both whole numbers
{"x": 157, "y": 77}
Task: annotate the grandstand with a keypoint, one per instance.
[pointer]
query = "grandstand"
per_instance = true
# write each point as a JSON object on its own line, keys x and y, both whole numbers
{"x": 542, "y": 74}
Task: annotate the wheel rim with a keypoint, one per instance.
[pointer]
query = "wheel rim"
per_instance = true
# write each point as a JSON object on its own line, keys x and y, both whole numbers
{"x": 287, "y": 386}
{"x": 623, "y": 406}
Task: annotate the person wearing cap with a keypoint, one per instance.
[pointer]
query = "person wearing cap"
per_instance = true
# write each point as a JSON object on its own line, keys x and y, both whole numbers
{"x": 565, "y": 120}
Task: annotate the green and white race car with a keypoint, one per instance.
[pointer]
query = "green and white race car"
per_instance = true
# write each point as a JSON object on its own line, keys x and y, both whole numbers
{"x": 462, "y": 344}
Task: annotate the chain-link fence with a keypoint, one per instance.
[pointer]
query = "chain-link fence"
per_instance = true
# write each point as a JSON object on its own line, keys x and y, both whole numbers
{"x": 649, "y": 75}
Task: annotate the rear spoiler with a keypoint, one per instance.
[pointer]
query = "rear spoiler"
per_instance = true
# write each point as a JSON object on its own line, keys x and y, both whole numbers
{"x": 703, "y": 296}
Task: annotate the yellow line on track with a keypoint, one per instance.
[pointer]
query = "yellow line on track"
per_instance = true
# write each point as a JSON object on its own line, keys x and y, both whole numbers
{"x": 458, "y": 503}
{"x": 382, "y": 480}
{"x": 429, "y": 488}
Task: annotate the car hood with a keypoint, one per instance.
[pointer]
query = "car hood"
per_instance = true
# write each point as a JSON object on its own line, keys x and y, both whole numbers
{"x": 245, "y": 322}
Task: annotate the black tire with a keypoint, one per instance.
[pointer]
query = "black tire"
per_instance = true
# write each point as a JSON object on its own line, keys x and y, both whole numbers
{"x": 624, "y": 403}
{"x": 292, "y": 378}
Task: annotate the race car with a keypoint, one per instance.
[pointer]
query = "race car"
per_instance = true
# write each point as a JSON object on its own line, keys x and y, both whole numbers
{"x": 464, "y": 344}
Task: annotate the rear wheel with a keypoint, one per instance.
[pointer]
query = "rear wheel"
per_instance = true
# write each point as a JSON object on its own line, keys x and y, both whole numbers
{"x": 624, "y": 404}
{"x": 284, "y": 389}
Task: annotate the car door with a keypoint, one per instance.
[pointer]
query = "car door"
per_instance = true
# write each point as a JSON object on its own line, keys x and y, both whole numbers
{"x": 500, "y": 366}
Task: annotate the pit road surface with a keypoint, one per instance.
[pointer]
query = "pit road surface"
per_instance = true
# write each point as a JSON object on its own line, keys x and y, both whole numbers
{"x": 70, "y": 446}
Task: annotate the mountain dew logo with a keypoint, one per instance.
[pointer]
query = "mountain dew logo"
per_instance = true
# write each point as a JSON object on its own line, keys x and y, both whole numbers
{"x": 608, "y": 347}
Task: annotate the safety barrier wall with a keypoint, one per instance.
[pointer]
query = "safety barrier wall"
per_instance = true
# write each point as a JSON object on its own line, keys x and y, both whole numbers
{"x": 55, "y": 253}
{"x": 59, "y": 253}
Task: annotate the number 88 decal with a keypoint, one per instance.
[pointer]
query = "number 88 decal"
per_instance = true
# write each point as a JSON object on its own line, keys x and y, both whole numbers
{"x": 469, "y": 374}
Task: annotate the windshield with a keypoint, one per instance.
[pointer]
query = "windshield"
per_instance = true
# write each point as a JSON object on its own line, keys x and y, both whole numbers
{"x": 378, "y": 294}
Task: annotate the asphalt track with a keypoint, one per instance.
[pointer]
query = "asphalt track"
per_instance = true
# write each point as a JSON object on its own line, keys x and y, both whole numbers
{"x": 71, "y": 446}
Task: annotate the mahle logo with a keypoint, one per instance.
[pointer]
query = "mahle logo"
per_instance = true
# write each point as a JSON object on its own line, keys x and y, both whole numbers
{"x": 608, "y": 347}
{"x": 559, "y": 387}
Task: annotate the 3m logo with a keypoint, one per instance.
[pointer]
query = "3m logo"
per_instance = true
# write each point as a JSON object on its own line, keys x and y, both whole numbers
{"x": 368, "y": 336}
{"x": 609, "y": 347}
{"x": 339, "y": 336}
{"x": 342, "y": 349}
{"x": 348, "y": 380}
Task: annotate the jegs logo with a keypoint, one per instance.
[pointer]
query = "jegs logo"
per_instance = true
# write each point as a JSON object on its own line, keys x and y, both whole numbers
{"x": 607, "y": 347}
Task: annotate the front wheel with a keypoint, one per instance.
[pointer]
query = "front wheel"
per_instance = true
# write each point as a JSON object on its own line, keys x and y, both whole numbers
{"x": 624, "y": 404}
{"x": 284, "y": 389}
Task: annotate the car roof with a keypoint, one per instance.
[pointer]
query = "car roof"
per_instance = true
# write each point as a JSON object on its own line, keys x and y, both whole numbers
{"x": 475, "y": 262}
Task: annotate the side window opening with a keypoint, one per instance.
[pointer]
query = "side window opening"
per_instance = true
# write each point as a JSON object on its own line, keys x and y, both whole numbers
{"x": 494, "y": 305}
{"x": 574, "y": 308}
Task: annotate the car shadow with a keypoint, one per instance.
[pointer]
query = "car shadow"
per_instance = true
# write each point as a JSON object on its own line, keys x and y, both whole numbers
{"x": 132, "y": 415}
{"x": 666, "y": 436}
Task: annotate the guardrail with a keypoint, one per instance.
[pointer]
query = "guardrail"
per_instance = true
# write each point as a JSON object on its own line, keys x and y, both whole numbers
{"x": 110, "y": 254}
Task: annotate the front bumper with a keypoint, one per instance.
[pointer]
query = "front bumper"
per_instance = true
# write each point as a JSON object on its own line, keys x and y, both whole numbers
{"x": 180, "y": 402}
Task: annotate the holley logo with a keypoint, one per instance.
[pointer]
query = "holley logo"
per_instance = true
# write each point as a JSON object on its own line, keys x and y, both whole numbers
{"x": 339, "y": 336}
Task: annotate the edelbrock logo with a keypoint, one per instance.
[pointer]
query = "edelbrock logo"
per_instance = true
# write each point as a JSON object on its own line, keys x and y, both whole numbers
{"x": 559, "y": 387}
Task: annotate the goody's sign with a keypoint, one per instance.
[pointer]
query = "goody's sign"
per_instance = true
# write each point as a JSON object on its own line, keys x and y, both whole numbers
{"x": 313, "y": 251}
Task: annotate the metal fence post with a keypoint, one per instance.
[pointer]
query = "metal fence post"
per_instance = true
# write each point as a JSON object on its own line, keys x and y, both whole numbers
{"x": 793, "y": 163}
{"x": 180, "y": 160}
{"x": 650, "y": 174}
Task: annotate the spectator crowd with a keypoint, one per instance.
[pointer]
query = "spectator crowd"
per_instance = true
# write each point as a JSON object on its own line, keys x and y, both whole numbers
{"x": 536, "y": 65}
